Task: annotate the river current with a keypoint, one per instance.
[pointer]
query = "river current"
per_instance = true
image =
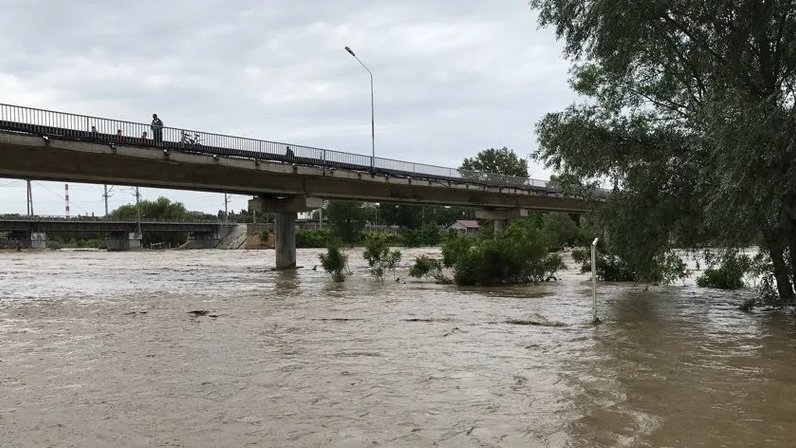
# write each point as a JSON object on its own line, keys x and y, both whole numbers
{"x": 102, "y": 350}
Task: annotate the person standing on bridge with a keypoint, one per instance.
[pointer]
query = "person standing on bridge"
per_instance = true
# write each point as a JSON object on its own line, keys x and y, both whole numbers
{"x": 157, "y": 129}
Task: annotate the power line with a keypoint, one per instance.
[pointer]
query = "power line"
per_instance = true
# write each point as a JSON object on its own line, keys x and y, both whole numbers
{"x": 63, "y": 198}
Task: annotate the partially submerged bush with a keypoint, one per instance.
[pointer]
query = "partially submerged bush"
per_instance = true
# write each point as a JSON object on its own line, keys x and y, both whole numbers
{"x": 665, "y": 268}
{"x": 518, "y": 255}
{"x": 727, "y": 276}
{"x": 610, "y": 268}
{"x": 552, "y": 264}
{"x": 379, "y": 256}
{"x": 581, "y": 256}
{"x": 454, "y": 246}
{"x": 428, "y": 267}
{"x": 428, "y": 235}
{"x": 335, "y": 262}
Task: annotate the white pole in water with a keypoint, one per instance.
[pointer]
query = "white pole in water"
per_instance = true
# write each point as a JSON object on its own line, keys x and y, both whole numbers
{"x": 594, "y": 277}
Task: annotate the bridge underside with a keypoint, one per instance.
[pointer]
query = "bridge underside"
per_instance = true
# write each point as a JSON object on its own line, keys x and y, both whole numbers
{"x": 26, "y": 156}
{"x": 32, "y": 157}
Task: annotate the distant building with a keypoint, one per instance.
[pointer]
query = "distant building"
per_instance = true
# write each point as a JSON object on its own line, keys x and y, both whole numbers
{"x": 305, "y": 216}
{"x": 465, "y": 226}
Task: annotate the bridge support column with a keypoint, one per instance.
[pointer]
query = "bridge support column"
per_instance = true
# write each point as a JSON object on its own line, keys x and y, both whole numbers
{"x": 38, "y": 240}
{"x": 501, "y": 218}
{"x": 122, "y": 241}
{"x": 203, "y": 240}
{"x": 286, "y": 210}
{"x": 285, "y": 240}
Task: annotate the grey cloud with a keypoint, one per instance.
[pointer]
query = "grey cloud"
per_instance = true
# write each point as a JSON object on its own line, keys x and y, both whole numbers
{"x": 452, "y": 77}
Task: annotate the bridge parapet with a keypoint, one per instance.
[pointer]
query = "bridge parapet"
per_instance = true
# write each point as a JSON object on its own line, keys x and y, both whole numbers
{"x": 67, "y": 126}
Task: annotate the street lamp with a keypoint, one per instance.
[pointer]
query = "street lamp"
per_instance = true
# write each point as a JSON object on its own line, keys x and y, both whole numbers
{"x": 372, "y": 114}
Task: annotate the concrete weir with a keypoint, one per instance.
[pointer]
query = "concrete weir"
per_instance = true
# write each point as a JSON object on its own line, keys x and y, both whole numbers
{"x": 286, "y": 210}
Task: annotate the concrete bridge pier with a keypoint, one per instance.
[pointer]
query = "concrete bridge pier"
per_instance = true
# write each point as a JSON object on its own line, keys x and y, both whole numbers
{"x": 501, "y": 217}
{"x": 28, "y": 239}
{"x": 122, "y": 241}
{"x": 285, "y": 240}
{"x": 209, "y": 240}
{"x": 286, "y": 210}
{"x": 38, "y": 240}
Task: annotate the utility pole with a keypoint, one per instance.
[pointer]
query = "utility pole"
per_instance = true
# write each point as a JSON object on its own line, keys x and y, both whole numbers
{"x": 138, "y": 209}
{"x": 226, "y": 207}
{"x": 105, "y": 196}
{"x": 30, "y": 199}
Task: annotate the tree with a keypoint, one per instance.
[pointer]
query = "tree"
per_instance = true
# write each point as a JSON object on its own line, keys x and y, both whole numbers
{"x": 379, "y": 256}
{"x": 407, "y": 216}
{"x": 162, "y": 209}
{"x": 347, "y": 219}
{"x": 559, "y": 229}
{"x": 496, "y": 161}
{"x": 335, "y": 262}
{"x": 690, "y": 116}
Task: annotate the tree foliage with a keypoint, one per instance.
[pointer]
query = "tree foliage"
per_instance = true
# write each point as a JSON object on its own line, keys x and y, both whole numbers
{"x": 428, "y": 267}
{"x": 729, "y": 275}
{"x": 496, "y": 161}
{"x": 313, "y": 238}
{"x": 379, "y": 256}
{"x": 517, "y": 255}
{"x": 559, "y": 229}
{"x": 160, "y": 209}
{"x": 335, "y": 262}
{"x": 690, "y": 117}
{"x": 347, "y": 219}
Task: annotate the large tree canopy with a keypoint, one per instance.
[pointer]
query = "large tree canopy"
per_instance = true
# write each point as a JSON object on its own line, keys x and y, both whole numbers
{"x": 690, "y": 115}
{"x": 497, "y": 161}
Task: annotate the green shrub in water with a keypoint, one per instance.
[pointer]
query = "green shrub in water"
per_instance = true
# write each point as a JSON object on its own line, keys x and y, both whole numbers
{"x": 518, "y": 255}
{"x": 428, "y": 267}
{"x": 335, "y": 262}
{"x": 379, "y": 256}
{"x": 727, "y": 276}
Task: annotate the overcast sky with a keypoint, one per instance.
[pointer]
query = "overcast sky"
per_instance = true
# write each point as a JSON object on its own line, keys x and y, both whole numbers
{"x": 452, "y": 77}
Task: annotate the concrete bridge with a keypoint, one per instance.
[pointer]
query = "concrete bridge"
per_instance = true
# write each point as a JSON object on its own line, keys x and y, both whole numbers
{"x": 283, "y": 178}
{"x": 121, "y": 234}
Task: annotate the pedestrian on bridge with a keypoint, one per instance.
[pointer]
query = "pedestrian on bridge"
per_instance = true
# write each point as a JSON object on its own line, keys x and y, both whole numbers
{"x": 157, "y": 129}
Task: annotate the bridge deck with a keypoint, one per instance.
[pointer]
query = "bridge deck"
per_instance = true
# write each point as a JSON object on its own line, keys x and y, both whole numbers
{"x": 83, "y": 128}
{"x": 23, "y": 224}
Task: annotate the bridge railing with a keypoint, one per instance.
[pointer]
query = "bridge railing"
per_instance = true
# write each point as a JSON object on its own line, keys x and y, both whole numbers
{"x": 108, "y": 219}
{"x": 88, "y": 128}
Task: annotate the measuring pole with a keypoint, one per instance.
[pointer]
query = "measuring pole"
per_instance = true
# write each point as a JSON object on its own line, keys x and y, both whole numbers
{"x": 594, "y": 278}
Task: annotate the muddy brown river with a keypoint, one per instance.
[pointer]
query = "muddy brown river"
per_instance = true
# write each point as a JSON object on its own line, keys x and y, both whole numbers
{"x": 100, "y": 350}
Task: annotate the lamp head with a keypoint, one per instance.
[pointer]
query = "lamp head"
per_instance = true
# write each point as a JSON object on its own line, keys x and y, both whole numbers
{"x": 350, "y": 51}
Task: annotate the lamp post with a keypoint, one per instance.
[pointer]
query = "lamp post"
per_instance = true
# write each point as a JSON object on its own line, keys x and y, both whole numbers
{"x": 372, "y": 112}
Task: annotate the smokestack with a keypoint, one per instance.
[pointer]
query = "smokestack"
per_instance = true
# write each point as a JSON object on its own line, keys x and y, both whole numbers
{"x": 66, "y": 199}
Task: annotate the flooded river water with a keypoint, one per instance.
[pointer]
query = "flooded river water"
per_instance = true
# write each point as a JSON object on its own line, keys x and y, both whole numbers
{"x": 100, "y": 350}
